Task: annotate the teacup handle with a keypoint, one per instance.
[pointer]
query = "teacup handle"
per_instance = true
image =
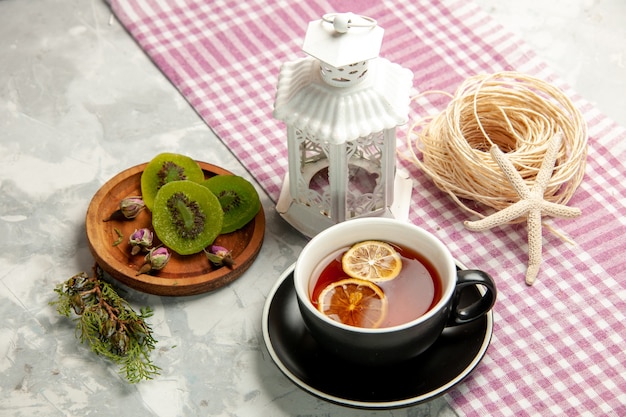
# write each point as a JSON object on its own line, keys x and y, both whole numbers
{"x": 467, "y": 278}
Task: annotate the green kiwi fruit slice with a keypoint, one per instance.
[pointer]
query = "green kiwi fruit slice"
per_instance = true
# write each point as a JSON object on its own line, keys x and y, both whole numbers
{"x": 186, "y": 216}
{"x": 164, "y": 168}
{"x": 238, "y": 198}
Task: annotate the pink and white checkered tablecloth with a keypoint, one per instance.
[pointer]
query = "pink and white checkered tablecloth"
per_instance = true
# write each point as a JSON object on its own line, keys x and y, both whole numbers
{"x": 558, "y": 347}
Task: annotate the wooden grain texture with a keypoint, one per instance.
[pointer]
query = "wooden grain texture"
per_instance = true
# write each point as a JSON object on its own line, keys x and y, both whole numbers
{"x": 183, "y": 275}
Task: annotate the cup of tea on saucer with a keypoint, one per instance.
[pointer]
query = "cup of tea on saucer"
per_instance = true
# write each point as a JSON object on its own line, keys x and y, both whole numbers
{"x": 379, "y": 290}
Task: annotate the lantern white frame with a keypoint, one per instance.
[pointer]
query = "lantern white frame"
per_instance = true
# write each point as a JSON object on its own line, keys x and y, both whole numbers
{"x": 342, "y": 120}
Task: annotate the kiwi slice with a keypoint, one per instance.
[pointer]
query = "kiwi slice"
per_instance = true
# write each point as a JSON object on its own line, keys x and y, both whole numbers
{"x": 238, "y": 198}
{"x": 186, "y": 216}
{"x": 164, "y": 168}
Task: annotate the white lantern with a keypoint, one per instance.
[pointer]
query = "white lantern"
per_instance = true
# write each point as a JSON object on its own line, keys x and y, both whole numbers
{"x": 342, "y": 105}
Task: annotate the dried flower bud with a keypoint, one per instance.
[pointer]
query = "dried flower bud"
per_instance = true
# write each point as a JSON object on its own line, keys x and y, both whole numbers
{"x": 155, "y": 259}
{"x": 131, "y": 207}
{"x": 141, "y": 238}
{"x": 158, "y": 257}
{"x": 220, "y": 256}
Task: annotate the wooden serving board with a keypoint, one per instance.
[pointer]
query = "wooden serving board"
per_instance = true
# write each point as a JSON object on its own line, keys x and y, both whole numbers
{"x": 183, "y": 275}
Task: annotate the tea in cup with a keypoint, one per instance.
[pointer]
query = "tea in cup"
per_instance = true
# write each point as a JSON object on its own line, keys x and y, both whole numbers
{"x": 379, "y": 290}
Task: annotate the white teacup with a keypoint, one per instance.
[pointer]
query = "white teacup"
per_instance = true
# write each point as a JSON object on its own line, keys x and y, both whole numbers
{"x": 399, "y": 342}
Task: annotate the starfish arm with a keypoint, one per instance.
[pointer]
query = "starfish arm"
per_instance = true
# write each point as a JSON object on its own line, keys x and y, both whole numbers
{"x": 547, "y": 165}
{"x": 534, "y": 246}
{"x": 505, "y": 215}
{"x": 531, "y": 273}
{"x": 510, "y": 172}
{"x": 559, "y": 210}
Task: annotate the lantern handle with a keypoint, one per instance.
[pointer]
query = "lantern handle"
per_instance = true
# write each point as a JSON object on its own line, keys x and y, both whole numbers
{"x": 343, "y": 21}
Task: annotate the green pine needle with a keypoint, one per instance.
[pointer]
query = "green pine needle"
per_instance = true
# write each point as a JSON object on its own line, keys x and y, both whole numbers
{"x": 109, "y": 325}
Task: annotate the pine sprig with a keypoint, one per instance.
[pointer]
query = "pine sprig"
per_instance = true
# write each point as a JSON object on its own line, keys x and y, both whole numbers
{"x": 108, "y": 324}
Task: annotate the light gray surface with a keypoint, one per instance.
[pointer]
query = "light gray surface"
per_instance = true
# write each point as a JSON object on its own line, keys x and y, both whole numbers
{"x": 79, "y": 102}
{"x": 584, "y": 41}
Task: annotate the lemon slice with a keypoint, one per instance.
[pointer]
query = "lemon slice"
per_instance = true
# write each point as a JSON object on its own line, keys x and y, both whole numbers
{"x": 372, "y": 260}
{"x": 354, "y": 302}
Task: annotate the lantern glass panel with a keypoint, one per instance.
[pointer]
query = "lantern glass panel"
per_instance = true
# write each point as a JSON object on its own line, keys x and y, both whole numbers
{"x": 365, "y": 188}
{"x": 313, "y": 183}
{"x": 351, "y": 188}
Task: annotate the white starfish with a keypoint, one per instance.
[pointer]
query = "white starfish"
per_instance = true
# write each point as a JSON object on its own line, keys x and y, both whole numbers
{"x": 531, "y": 204}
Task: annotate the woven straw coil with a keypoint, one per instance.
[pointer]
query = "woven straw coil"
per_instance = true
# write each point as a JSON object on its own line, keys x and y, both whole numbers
{"x": 519, "y": 114}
